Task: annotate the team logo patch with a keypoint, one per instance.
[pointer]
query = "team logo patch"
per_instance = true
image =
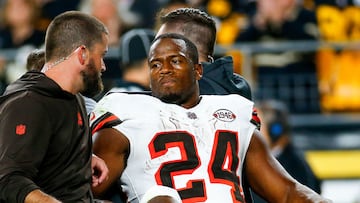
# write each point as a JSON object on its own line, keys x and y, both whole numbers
{"x": 191, "y": 115}
{"x": 224, "y": 115}
{"x": 20, "y": 129}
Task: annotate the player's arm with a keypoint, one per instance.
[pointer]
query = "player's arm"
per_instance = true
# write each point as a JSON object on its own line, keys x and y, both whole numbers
{"x": 270, "y": 180}
{"x": 113, "y": 147}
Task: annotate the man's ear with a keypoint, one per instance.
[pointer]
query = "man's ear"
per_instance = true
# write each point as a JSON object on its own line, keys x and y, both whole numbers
{"x": 198, "y": 70}
{"x": 82, "y": 55}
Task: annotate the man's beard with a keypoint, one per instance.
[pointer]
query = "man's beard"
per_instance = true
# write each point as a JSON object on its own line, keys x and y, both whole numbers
{"x": 93, "y": 84}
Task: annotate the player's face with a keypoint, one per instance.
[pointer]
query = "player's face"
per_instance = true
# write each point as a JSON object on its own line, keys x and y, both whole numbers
{"x": 92, "y": 74}
{"x": 173, "y": 76}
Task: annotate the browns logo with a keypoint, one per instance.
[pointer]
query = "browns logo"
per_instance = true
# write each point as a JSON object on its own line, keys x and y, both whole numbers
{"x": 20, "y": 129}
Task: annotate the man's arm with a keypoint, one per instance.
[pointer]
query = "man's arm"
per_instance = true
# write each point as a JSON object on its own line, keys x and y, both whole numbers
{"x": 38, "y": 196}
{"x": 113, "y": 147}
{"x": 99, "y": 170}
{"x": 24, "y": 137}
{"x": 270, "y": 180}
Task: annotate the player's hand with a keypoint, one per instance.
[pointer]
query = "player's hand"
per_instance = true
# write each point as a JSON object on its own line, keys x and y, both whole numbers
{"x": 100, "y": 171}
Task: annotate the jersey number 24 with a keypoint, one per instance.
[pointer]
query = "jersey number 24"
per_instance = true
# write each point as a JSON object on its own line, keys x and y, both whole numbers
{"x": 225, "y": 149}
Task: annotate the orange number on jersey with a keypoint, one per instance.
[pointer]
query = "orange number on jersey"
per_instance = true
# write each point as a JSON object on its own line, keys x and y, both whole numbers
{"x": 222, "y": 167}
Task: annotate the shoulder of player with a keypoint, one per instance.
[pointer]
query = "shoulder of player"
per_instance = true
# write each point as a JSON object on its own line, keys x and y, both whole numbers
{"x": 121, "y": 96}
{"x": 231, "y": 101}
{"x": 123, "y": 102}
{"x": 228, "y": 97}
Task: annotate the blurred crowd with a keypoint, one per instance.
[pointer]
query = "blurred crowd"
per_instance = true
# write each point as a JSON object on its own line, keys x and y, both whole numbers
{"x": 23, "y": 24}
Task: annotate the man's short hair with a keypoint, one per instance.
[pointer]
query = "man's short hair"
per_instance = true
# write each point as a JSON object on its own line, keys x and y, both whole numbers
{"x": 70, "y": 30}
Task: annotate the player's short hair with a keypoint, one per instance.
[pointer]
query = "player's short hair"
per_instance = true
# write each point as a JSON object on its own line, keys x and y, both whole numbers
{"x": 191, "y": 49}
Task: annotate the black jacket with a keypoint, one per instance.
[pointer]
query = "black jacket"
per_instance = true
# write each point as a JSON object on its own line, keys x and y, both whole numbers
{"x": 44, "y": 141}
{"x": 219, "y": 78}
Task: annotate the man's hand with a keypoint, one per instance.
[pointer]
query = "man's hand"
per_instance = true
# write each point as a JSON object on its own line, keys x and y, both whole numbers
{"x": 39, "y": 196}
{"x": 100, "y": 171}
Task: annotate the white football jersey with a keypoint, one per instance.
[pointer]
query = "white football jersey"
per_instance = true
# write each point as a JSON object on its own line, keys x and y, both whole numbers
{"x": 198, "y": 151}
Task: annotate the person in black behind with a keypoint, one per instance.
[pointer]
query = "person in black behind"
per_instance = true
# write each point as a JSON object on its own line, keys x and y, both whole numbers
{"x": 276, "y": 129}
{"x": 134, "y": 48}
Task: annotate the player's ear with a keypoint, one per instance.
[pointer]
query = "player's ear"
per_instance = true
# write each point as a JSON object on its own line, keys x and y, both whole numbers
{"x": 198, "y": 70}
